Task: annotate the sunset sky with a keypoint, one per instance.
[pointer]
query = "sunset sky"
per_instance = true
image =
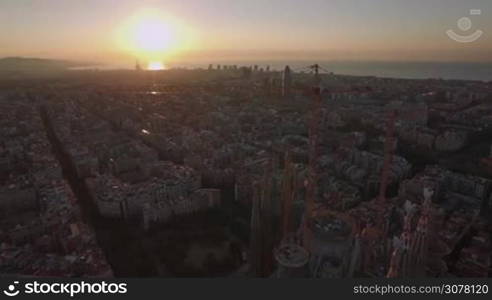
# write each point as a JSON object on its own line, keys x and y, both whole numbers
{"x": 100, "y": 30}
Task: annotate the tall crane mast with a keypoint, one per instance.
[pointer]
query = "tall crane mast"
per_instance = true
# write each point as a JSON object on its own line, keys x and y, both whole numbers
{"x": 313, "y": 155}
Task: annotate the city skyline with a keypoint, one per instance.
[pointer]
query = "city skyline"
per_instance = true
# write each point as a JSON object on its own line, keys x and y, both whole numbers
{"x": 202, "y": 30}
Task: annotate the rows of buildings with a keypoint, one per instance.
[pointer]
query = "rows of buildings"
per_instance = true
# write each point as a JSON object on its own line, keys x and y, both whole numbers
{"x": 42, "y": 230}
{"x": 356, "y": 177}
{"x": 124, "y": 177}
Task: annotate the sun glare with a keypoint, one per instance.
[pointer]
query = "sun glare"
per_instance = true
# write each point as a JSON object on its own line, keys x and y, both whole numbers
{"x": 155, "y": 66}
{"x": 153, "y": 36}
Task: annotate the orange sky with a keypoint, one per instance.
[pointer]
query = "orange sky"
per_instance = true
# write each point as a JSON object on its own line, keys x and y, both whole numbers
{"x": 254, "y": 29}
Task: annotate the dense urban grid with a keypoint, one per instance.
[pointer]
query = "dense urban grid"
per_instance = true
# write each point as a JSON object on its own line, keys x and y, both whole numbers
{"x": 245, "y": 172}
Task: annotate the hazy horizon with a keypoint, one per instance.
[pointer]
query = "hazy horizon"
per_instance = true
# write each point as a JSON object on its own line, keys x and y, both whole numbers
{"x": 203, "y": 30}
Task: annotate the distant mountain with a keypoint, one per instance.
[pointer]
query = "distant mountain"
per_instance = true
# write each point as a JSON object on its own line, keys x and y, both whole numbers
{"x": 23, "y": 66}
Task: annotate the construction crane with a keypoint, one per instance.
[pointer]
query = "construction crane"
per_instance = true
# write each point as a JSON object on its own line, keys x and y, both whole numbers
{"x": 313, "y": 155}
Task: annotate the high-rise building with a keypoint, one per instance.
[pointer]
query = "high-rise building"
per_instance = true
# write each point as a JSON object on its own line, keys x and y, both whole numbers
{"x": 286, "y": 82}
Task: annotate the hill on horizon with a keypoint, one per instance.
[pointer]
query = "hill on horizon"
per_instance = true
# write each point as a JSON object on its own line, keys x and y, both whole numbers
{"x": 27, "y": 66}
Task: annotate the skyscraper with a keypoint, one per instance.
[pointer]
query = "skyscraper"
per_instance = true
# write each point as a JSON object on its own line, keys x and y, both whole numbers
{"x": 137, "y": 66}
{"x": 286, "y": 82}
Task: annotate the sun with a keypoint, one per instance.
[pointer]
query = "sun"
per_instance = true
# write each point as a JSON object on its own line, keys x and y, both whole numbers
{"x": 155, "y": 66}
{"x": 153, "y": 36}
